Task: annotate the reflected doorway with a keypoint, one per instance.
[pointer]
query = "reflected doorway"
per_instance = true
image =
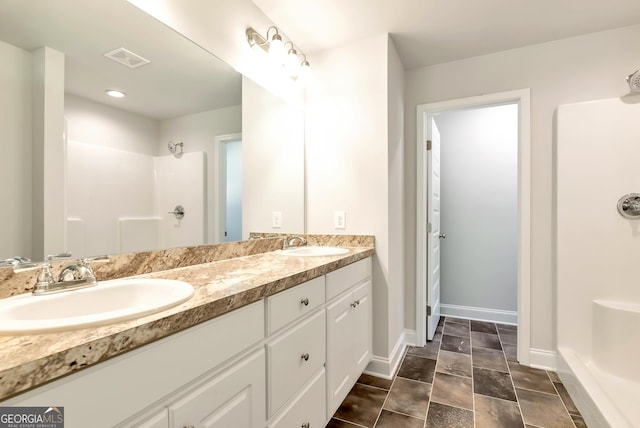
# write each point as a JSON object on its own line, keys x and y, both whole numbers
{"x": 229, "y": 188}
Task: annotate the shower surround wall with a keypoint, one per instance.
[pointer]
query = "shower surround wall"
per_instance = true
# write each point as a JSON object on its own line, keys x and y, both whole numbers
{"x": 598, "y": 294}
{"x": 119, "y": 191}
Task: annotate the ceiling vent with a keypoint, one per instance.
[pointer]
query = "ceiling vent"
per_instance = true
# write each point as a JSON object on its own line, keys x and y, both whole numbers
{"x": 127, "y": 58}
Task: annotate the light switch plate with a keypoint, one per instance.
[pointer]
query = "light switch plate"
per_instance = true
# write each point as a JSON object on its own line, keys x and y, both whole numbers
{"x": 339, "y": 220}
{"x": 277, "y": 219}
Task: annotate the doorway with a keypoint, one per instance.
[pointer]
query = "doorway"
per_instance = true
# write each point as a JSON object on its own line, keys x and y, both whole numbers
{"x": 428, "y": 269}
{"x": 228, "y": 188}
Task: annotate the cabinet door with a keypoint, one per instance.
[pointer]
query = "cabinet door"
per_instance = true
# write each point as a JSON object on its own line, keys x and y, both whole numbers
{"x": 361, "y": 315}
{"x": 339, "y": 351}
{"x": 234, "y": 398}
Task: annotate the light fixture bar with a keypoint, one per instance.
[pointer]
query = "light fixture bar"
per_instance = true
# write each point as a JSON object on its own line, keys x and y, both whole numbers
{"x": 255, "y": 39}
{"x": 274, "y": 46}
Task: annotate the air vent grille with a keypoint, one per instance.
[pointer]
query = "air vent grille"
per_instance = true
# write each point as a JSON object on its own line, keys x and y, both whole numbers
{"x": 126, "y": 57}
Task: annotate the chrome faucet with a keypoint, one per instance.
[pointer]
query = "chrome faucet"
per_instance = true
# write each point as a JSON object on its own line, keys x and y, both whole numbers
{"x": 295, "y": 241}
{"x": 74, "y": 276}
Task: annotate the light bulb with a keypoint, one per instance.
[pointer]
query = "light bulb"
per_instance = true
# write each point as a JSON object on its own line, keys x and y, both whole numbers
{"x": 305, "y": 76}
{"x": 115, "y": 93}
{"x": 276, "y": 49}
{"x": 291, "y": 64}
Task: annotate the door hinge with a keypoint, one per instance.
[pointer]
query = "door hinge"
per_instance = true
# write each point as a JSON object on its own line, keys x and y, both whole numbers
{"x": 428, "y": 310}
{"x": 428, "y": 144}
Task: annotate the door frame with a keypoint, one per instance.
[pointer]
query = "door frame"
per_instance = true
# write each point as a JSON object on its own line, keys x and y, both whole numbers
{"x": 521, "y": 97}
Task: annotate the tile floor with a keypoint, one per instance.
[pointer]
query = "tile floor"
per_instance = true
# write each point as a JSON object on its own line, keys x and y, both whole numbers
{"x": 466, "y": 377}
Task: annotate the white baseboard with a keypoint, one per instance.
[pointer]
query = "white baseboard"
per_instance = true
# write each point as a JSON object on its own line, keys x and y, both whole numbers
{"x": 479, "y": 314}
{"x": 386, "y": 367}
{"x": 409, "y": 337}
{"x": 543, "y": 359}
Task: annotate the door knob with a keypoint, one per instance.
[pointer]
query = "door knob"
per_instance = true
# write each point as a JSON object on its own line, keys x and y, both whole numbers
{"x": 443, "y": 236}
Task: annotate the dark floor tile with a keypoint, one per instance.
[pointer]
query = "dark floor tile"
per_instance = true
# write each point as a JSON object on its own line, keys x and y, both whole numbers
{"x": 417, "y": 368}
{"x": 530, "y": 378}
{"x": 544, "y": 410}
{"x": 554, "y": 376}
{"x": 454, "y": 363}
{"x": 378, "y": 382}
{"x": 509, "y": 337}
{"x": 457, "y": 321}
{"x": 455, "y": 329}
{"x": 507, "y": 327}
{"x": 495, "y": 413}
{"x": 394, "y": 420}
{"x": 441, "y": 321}
{"x": 511, "y": 352}
{"x": 578, "y": 421}
{"x": 455, "y": 344}
{"x": 492, "y": 383}
{"x": 429, "y": 350}
{"x": 489, "y": 359}
{"x": 483, "y": 327}
{"x": 438, "y": 335}
{"x": 441, "y": 415}
{"x": 566, "y": 399}
{"x": 409, "y": 397}
{"x": 362, "y": 405}
{"x": 485, "y": 340}
{"x": 452, "y": 390}
{"x": 337, "y": 423}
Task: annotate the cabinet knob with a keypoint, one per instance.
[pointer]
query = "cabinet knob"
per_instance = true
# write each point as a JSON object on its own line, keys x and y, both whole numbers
{"x": 305, "y": 425}
{"x": 304, "y": 301}
{"x": 305, "y": 356}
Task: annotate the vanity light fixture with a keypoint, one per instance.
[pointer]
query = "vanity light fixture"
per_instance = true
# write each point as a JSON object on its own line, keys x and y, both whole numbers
{"x": 115, "y": 93}
{"x": 288, "y": 59}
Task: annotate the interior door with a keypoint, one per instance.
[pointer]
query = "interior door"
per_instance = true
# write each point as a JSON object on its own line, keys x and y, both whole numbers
{"x": 432, "y": 163}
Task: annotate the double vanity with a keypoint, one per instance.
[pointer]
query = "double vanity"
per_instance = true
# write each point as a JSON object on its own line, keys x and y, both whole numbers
{"x": 270, "y": 338}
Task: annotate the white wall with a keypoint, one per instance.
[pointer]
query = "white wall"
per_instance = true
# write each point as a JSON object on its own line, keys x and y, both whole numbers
{"x": 587, "y": 67}
{"x": 479, "y": 196}
{"x": 354, "y": 163}
{"x": 15, "y": 146}
{"x": 197, "y": 132}
{"x": 396, "y": 202}
{"x": 272, "y": 162}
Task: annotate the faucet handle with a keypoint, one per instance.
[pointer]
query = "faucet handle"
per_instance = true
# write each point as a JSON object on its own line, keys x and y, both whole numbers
{"x": 52, "y": 257}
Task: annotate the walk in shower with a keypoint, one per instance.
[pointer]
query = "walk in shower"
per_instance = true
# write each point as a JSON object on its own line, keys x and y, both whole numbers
{"x": 598, "y": 252}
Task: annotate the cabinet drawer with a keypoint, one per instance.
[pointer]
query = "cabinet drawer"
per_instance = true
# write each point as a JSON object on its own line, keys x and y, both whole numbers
{"x": 348, "y": 276}
{"x": 293, "y": 358}
{"x": 284, "y": 307}
{"x": 307, "y": 408}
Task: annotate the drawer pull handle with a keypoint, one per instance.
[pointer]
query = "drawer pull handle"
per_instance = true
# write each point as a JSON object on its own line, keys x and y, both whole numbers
{"x": 356, "y": 303}
{"x": 304, "y": 301}
{"x": 305, "y": 425}
{"x": 305, "y": 357}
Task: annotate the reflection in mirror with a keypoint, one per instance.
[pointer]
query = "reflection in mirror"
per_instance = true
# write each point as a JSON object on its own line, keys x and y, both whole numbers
{"x": 95, "y": 175}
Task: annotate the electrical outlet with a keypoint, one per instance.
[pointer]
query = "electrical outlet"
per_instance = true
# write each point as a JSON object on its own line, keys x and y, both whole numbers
{"x": 277, "y": 219}
{"x": 339, "y": 220}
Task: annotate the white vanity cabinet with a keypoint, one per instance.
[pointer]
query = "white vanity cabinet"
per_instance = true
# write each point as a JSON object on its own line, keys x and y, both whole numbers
{"x": 285, "y": 361}
{"x": 348, "y": 329}
{"x": 157, "y": 380}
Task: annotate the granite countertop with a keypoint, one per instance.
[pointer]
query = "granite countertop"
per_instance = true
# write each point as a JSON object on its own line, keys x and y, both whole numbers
{"x": 219, "y": 287}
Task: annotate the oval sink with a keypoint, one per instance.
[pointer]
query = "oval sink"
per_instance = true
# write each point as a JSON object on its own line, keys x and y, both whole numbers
{"x": 105, "y": 303}
{"x": 310, "y": 251}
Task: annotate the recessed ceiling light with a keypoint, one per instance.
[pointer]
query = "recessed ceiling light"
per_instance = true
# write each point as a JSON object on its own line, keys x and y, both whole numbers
{"x": 115, "y": 93}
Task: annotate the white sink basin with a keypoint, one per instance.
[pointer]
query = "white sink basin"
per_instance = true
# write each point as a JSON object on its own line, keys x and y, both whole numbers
{"x": 105, "y": 303}
{"x": 309, "y": 251}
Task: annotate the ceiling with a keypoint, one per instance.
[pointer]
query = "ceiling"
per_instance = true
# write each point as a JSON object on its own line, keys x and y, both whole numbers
{"x": 181, "y": 79}
{"x": 428, "y": 32}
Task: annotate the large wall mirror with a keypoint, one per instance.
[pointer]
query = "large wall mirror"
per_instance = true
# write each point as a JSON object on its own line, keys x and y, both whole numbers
{"x": 193, "y": 154}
